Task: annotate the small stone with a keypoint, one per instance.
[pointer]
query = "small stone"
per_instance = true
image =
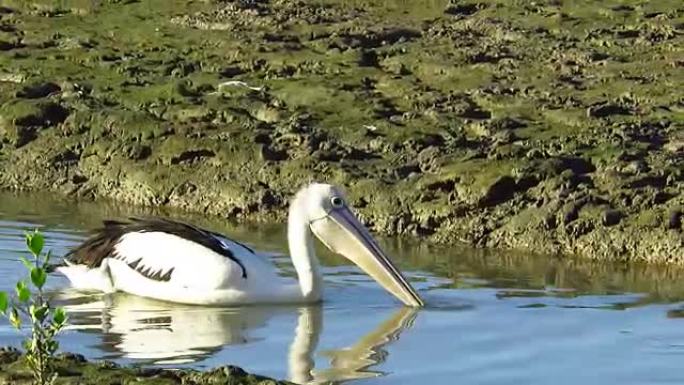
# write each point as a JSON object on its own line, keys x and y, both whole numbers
{"x": 476, "y": 113}
{"x": 107, "y": 364}
{"x": 675, "y": 220}
{"x": 269, "y": 154}
{"x": 507, "y": 124}
{"x": 605, "y": 110}
{"x": 8, "y": 355}
{"x": 231, "y": 71}
{"x": 71, "y": 357}
{"x": 463, "y": 9}
{"x": 267, "y": 115}
{"x": 137, "y": 151}
{"x": 39, "y": 90}
{"x": 636, "y": 167}
{"x": 368, "y": 58}
{"x": 395, "y": 68}
{"x": 195, "y": 113}
{"x": 675, "y": 146}
{"x": 6, "y": 45}
{"x": 535, "y": 153}
{"x": 500, "y": 190}
{"x": 570, "y": 213}
{"x": 504, "y": 137}
{"x": 612, "y": 217}
{"x": 231, "y": 371}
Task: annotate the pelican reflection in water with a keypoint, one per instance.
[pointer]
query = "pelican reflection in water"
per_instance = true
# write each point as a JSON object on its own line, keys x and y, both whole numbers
{"x": 163, "y": 333}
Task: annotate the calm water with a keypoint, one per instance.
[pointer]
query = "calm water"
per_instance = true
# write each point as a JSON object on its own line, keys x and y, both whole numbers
{"x": 491, "y": 319}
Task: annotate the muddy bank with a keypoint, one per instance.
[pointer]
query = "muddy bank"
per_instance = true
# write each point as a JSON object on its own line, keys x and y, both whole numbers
{"x": 551, "y": 127}
{"x": 74, "y": 369}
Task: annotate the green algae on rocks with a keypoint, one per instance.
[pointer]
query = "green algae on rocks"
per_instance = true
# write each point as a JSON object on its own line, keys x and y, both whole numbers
{"x": 74, "y": 369}
{"x": 548, "y": 126}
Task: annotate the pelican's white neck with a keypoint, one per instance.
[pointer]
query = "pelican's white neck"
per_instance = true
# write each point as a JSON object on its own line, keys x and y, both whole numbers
{"x": 302, "y": 251}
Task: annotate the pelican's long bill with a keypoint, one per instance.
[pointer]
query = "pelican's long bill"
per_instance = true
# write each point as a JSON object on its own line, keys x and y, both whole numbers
{"x": 342, "y": 233}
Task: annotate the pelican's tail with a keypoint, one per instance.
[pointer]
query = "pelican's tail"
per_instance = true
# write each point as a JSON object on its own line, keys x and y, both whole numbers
{"x": 83, "y": 277}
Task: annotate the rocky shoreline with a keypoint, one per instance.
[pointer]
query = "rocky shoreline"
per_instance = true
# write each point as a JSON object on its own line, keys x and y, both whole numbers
{"x": 75, "y": 369}
{"x": 545, "y": 127}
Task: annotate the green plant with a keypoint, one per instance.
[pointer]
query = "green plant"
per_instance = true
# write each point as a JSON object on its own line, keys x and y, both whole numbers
{"x": 27, "y": 304}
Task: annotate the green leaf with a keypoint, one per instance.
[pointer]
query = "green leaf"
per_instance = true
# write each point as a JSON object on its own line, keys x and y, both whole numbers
{"x": 29, "y": 265}
{"x": 4, "y": 302}
{"x": 47, "y": 259}
{"x": 59, "y": 318}
{"x": 14, "y": 318}
{"x": 53, "y": 346}
{"x": 38, "y": 313}
{"x": 23, "y": 292}
{"x": 38, "y": 277}
{"x": 35, "y": 242}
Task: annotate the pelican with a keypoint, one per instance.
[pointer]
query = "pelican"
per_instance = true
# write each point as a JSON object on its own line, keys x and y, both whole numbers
{"x": 177, "y": 262}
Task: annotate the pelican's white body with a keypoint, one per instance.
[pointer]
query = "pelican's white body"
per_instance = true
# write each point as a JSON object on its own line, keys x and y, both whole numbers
{"x": 200, "y": 275}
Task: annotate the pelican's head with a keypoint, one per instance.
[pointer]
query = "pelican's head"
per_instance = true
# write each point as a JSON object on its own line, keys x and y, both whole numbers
{"x": 332, "y": 221}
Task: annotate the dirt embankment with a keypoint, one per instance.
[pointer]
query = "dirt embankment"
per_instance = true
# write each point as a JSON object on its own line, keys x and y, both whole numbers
{"x": 549, "y": 126}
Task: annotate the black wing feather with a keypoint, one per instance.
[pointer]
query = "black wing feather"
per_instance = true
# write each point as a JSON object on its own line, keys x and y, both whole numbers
{"x": 101, "y": 244}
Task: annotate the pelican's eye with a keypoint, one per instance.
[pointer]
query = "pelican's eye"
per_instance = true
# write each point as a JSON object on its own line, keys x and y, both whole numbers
{"x": 336, "y": 202}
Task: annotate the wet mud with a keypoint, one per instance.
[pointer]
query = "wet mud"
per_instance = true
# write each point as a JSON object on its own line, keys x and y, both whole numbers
{"x": 553, "y": 127}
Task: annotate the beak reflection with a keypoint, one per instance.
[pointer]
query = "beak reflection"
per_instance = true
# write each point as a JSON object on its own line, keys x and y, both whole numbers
{"x": 356, "y": 361}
